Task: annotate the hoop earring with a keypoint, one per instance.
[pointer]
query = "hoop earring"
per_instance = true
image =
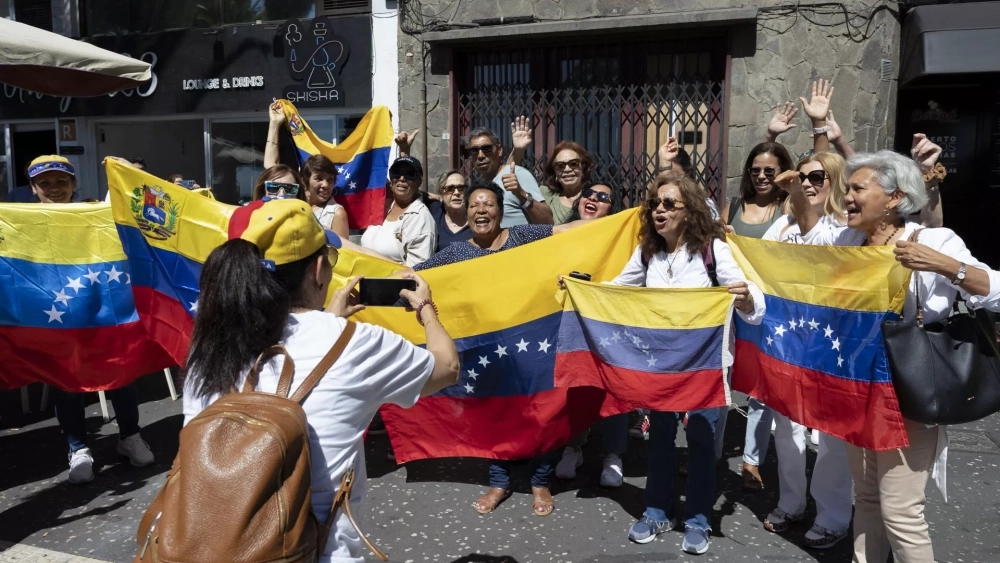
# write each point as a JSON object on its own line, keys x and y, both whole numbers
{"x": 884, "y": 225}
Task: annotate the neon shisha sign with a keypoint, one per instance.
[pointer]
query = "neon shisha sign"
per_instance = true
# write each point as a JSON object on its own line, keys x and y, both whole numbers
{"x": 315, "y": 56}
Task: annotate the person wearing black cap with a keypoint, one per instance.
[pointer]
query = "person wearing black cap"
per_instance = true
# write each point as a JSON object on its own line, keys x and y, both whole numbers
{"x": 409, "y": 234}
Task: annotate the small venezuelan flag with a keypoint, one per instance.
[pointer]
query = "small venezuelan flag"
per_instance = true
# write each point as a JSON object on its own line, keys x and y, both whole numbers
{"x": 362, "y": 162}
{"x": 819, "y": 357}
{"x": 660, "y": 349}
{"x": 67, "y": 316}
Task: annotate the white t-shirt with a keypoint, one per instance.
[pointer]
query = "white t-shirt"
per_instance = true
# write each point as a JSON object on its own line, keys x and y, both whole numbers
{"x": 377, "y": 367}
{"x": 781, "y": 231}
{"x": 326, "y": 213}
{"x": 384, "y": 239}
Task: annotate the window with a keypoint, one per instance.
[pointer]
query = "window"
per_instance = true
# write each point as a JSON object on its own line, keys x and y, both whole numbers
{"x": 142, "y": 16}
{"x": 37, "y": 13}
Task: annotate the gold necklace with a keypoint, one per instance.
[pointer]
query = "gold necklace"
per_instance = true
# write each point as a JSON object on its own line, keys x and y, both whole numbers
{"x": 670, "y": 261}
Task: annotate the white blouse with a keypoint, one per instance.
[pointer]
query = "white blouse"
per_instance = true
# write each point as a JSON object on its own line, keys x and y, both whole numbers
{"x": 784, "y": 230}
{"x": 326, "y": 213}
{"x": 409, "y": 240}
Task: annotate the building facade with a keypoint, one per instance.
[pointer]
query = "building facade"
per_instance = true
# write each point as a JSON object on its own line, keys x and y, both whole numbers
{"x": 619, "y": 76}
{"x": 217, "y": 66}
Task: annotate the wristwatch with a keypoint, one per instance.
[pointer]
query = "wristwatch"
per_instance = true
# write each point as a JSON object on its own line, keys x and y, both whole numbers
{"x": 528, "y": 200}
{"x": 960, "y": 276}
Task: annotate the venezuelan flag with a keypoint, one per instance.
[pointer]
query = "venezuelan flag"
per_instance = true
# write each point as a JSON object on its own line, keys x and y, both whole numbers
{"x": 167, "y": 233}
{"x": 362, "y": 160}
{"x": 67, "y": 316}
{"x": 819, "y": 357}
{"x": 659, "y": 349}
{"x": 501, "y": 312}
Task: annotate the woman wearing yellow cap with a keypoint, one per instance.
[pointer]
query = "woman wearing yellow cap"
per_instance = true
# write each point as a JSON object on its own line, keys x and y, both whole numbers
{"x": 267, "y": 285}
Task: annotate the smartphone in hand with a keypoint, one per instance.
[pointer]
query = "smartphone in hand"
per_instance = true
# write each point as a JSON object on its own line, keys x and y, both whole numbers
{"x": 384, "y": 292}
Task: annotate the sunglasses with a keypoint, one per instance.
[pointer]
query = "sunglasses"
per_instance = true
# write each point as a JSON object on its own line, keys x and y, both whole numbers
{"x": 457, "y": 188}
{"x": 816, "y": 177}
{"x": 769, "y": 171}
{"x": 668, "y": 203}
{"x": 572, "y": 165}
{"x": 472, "y": 152}
{"x": 274, "y": 188}
{"x": 602, "y": 197}
{"x": 406, "y": 176}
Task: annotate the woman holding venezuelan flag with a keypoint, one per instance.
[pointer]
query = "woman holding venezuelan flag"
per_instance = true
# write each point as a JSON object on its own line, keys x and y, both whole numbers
{"x": 679, "y": 243}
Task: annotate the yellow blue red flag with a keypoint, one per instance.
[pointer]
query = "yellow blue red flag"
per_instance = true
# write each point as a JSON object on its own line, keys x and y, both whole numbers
{"x": 67, "y": 315}
{"x": 362, "y": 162}
{"x": 819, "y": 357}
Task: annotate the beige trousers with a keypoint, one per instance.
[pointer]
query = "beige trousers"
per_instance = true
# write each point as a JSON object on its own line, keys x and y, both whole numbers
{"x": 889, "y": 499}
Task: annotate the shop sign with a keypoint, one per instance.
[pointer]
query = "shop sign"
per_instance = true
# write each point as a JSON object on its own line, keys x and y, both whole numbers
{"x": 315, "y": 55}
{"x": 234, "y": 83}
{"x": 934, "y": 113}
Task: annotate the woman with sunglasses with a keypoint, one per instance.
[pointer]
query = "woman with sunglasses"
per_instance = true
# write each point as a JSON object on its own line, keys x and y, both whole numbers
{"x": 751, "y": 214}
{"x": 676, "y": 234}
{"x": 823, "y": 182}
{"x": 566, "y": 173}
{"x": 279, "y": 181}
{"x": 449, "y": 210}
{"x": 409, "y": 234}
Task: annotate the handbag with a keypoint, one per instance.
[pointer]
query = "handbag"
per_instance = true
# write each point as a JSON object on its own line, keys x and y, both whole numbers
{"x": 946, "y": 372}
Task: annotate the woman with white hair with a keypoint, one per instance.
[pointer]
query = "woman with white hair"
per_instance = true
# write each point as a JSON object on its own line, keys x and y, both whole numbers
{"x": 883, "y": 190}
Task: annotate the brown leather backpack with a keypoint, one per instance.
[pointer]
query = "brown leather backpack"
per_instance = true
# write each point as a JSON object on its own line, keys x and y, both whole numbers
{"x": 240, "y": 486}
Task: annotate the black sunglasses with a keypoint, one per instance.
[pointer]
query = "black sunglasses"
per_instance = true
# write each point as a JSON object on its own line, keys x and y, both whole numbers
{"x": 459, "y": 188}
{"x": 668, "y": 203}
{"x": 769, "y": 171}
{"x": 816, "y": 177}
{"x": 407, "y": 176}
{"x": 602, "y": 197}
{"x": 471, "y": 152}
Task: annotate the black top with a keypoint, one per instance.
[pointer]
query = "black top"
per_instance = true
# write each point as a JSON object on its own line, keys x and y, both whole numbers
{"x": 445, "y": 236}
{"x": 462, "y": 251}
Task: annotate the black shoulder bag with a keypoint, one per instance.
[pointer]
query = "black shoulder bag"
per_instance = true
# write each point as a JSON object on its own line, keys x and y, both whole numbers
{"x": 946, "y": 372}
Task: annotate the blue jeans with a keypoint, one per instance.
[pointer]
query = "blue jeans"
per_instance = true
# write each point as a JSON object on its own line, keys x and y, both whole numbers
{"x": 701, "y": 467}
{"x": 70, "y": 414}
{"x": 615, "y": 435}
{"x": 541, "y": 470}
{"x": 758, "y": 438}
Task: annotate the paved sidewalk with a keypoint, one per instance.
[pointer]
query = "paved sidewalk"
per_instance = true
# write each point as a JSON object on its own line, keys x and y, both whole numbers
{"x": 21, "y": 553}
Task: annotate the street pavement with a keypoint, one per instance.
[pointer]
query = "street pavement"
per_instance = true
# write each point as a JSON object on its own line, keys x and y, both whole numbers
{"x": 422, "y": 511}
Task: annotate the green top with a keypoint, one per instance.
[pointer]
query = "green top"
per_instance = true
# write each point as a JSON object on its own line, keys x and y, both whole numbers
{"x": 560, "y": 212}
{"x": 749, "y": 229}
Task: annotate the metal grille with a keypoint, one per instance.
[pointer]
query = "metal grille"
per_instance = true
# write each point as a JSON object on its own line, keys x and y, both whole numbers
{"x": 342, "y": 7}
{"x": 620, "y": 100}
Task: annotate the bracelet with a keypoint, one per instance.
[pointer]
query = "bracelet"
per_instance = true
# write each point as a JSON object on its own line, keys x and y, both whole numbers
{"x": 272, "y": 142}
{"x": 750, "y": 304}
{"x": 420, "y": 306}
{"x": 939, "y": 172}
{"x": 821, "y": 130}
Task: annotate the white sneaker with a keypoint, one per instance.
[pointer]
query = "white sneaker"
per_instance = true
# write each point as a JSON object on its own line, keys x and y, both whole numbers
{"x": 612, "y": 474}
{"x": 136, "y": 450}
{"x": 814, "y": 437}
{"x": 571, "y": 459}
{"x": 81, "y": 467}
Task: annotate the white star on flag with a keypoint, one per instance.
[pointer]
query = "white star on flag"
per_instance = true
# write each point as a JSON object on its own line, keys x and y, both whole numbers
{"x": 522, "y": 346}
{"x": 813, "y": 325}
{"x": 501, "y": 351}
{"x": 340, "y": 170}
{"x": 836, "y": 344}
{"x": 792, "y": 324}
{"x": 840, "y": 361}
{"x": 472, "y": 373}
{"x": 828, "y": 332}
{"x": 605, "y": 342}
{"x": 54, "y": 314}
{"x": 347, "y": 175}
{"x": 770, "y": 340}
{"x": 802, "y": 322}
{"x": 353, "y": 185}
{"x": 74, "y": 284}
{"x": 469, "y": 388}
{"x": 94, "y": 277}
{"x": 780, "y": 331}
{"x": 615, "y": 337}
{"x": 194, "y": 307}
{"x": 114, "y": 274}
{"x": 484, "y": 361}
{"x": 651, "y": 362}
{"x": 128, "y": 279}
{"x": 61, "y": 297}
{"x": 543, "y": 346}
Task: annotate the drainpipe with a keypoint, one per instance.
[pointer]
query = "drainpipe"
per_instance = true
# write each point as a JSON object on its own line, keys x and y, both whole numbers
{"x": 423, "y": 113}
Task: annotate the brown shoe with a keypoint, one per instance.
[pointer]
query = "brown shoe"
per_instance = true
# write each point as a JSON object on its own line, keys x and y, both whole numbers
{"x": 489, "y": 502}
{"x": 542, "y": 504}
{"x": 752, "y": 482}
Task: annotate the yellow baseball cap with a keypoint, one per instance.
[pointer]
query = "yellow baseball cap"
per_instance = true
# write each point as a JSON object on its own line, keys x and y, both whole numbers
{"x": 285, "y": 230}
{"x": 50, "y": 163}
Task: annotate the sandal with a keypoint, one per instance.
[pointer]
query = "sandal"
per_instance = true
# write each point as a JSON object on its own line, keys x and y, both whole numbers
{"x": 542, "y": 504}
{"x": 779, "y": 520}
{"x": 819, "y": 537}
{"x": 489, "y": 502}
{"x": 752, "y": 482}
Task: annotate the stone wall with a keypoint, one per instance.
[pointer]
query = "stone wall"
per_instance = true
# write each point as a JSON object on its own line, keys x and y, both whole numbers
{"x": 774, "y": 63}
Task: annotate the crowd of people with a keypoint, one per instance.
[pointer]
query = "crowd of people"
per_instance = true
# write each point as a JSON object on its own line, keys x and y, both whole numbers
{"x": 866, "y": 200}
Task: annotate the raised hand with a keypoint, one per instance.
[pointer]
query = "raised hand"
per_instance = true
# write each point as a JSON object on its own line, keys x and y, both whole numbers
{"x": 276, "y": 113}
{"x": 781, "y": 121}
{"x": 834, "y": 134}
{"x": 789, "y": 181}
{"x": 510, "y": 182}
{"x": 520, "y": 131}
{"x": 818, "y": 105}
{"x": 405, "y": 139}
{"x": 668, "y": 152}
{"x": 925, "y": 153}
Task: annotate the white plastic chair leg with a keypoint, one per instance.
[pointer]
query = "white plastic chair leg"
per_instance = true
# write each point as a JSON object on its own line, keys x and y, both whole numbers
{"x": 104, "y": 406}
{"x": 25, "y": 402}
{"x": 170, "y": 384}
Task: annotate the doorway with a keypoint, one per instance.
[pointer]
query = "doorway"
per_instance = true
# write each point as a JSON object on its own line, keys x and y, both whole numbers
{"x": 28, "y": 143}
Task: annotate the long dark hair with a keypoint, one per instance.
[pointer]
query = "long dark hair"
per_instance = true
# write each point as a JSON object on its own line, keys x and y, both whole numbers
{"x": 700, "y": 230}
{"x": 586, "y": 165}
{"x": 277, "y": 171}
{"x": 242, "y": 311}
{"x": 747, "y": 190}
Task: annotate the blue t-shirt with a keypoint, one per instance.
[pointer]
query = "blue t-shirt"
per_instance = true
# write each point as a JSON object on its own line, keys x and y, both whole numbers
{"x": 465, "y": 250}
{"x": 445, "y": 236}
{"x": 513, "y": 213}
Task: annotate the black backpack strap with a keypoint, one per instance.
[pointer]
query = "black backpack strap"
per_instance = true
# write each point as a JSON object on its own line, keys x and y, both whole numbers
{"x": 734, "y": 206}
{"x": 708, "y": 256}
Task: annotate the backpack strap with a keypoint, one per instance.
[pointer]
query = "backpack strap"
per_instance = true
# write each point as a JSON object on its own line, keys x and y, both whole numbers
{"x": 343, "y": 499}
{"x": 325, "y": 364}
{"x": 287, "y": 370}
{"x": 708, "y": 256}
{"x": 734, "y": 206}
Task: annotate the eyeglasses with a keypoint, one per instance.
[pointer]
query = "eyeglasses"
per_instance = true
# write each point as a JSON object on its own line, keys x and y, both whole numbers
{"x": 668, "y": 203}
{"x": 406, "y": 176}
{"x": 572, "y": 165}
{"x": 274, "y": 188}
{"x": 769, "y": 171}
{"x": 602, "y": 197}
{"x": 472, "y": 152}
{"x": 816, "y": 177}
{"x": 455, "y": 188}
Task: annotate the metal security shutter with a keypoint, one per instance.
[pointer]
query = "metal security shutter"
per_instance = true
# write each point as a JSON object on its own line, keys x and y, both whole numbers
{"x": 342, "y": 7}
{"x": 36, "y": 13}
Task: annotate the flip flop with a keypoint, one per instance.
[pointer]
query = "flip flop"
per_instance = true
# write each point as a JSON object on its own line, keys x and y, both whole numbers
{"x": 542, "y": 503}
